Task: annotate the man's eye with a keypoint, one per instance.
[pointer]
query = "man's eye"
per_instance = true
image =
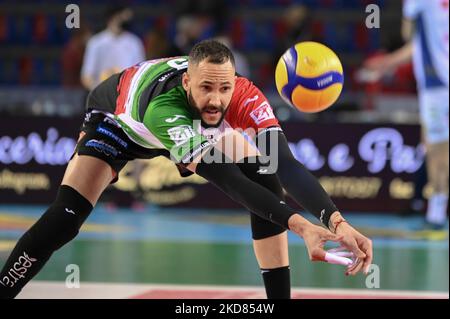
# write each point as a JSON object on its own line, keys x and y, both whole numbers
{"x": 226, "y": 89}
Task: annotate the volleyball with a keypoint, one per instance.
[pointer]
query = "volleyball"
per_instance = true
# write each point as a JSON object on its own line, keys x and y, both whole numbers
{"x": 309, "y": 77}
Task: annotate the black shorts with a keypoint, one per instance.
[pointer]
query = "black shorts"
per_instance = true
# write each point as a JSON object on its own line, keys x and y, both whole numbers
{"x": 101, "y": 137}
{"x": 103, "y": 97}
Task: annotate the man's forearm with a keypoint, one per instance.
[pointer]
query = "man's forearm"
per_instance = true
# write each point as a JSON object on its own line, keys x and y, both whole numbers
{"x": 400, "y": 56}
{"x": 300, "y": 184}
{"x": 256, "y": 198}
{"x": 306, "y": 190}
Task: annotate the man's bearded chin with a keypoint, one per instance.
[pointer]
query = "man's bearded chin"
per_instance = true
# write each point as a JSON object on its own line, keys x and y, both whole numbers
{"x": 198, "y": 112}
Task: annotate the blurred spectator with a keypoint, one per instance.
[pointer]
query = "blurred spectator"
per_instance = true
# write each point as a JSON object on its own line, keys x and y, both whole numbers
{"x": 158, "y": 45}
{"x": 425, "y": 30}
{"x": 189, "y": 31}
{"x": 111, "y": 50}
{"x": 216, "y": 11}
{"x": 72, "y": 57}
{"x": 197, "y": 20}
{"x": 242, "y": 66}
{"x": 295, "y": 26}
{"x": 398, "y": 79}
{"x": 297, "y": 23}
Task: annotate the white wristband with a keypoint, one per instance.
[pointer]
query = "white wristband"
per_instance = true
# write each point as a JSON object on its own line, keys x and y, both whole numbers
{"x": 339, "y": 258}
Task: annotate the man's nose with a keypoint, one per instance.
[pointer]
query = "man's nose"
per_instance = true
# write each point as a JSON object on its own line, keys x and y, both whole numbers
{"x": 214, "y": 100}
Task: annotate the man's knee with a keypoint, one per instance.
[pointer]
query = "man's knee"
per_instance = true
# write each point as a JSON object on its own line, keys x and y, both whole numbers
{"x": 262, "y": 228}
{"x": 62, "y": 220}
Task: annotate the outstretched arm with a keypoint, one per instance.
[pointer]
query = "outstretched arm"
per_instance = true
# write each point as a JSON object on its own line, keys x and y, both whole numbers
{"x": 298, "y": 182}
{"x": 217, "y": 163}
{"x": 381, "y": 65}
{"x": 219, "y": 166}
{"x": 306, "y": 190}
{"x": 228, "y": 177}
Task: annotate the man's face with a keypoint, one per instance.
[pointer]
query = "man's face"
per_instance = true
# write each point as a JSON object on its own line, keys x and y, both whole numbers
{"x": 123, "y": 18}
{"x": 209, "y": 88}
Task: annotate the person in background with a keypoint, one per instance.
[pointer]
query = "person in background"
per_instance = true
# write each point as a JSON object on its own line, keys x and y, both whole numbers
{"x": 297, "y": 20}
{"x": 72, "y": 57}
{"x": 425, "y": 28}
{"x": 158, "y": 44}
{"x": 111, "y": 50}
{"x": 189, "y": 31}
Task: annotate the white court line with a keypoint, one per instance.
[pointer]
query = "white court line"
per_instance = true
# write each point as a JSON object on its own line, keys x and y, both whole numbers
{"x": 92, "y": 290}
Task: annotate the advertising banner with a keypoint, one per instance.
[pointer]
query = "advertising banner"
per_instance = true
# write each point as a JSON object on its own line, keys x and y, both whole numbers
{"x": 364, "y": 167}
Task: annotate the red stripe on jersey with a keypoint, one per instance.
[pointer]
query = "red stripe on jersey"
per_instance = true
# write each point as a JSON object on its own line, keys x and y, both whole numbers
{"x": 123, "y": 88}
{"x": 249, "y": 108}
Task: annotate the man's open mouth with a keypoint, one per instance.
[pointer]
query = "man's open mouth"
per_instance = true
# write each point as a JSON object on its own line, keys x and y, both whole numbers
{"x": 212, "y": 111}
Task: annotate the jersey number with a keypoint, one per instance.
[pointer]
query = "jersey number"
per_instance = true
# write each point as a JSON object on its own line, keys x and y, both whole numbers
{"x": 179, "y": 64}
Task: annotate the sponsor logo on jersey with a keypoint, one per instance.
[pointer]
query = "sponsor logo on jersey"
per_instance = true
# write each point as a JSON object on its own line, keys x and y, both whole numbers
{"x": 113, "y": 136}
{"x": 263, "y": 113}
{"x": 191, "y": 155}
{"x": 180, "y": 134}
{"x": 111, "y": 121}
{"x": 102, "y": 147}
{"x": 212, "y": 134}
{"x": 165, "y": 76}
{"x": 250, "y": 100}
{"x": 87, "y": 117}
{"x": 175, "y": 118}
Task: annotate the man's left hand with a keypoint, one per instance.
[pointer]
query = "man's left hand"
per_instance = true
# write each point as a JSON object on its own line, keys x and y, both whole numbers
{"x": 358, "y": 244}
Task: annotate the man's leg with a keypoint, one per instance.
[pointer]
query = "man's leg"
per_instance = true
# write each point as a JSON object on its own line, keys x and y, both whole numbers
{"x": 270, "y": 240}
{"x": 272, "y": 252}
{"x": 273, "y": 259}
{"x": 434, "y": 115}
{"x": 85, "y": 179}
{"x": 438, "y": 173}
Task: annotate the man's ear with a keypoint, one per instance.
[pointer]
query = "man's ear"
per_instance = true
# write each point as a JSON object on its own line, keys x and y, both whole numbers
{"x": 185, "y": 81}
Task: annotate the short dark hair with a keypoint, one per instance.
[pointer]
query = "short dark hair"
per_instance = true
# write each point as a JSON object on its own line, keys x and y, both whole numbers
{"x": 211, "y": 50}
{"x": 114, "y": 10}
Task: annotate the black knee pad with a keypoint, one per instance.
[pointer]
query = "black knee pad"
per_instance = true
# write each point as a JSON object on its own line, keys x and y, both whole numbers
{"x": 262, "y": 228}
{"x": 62, "y": 220}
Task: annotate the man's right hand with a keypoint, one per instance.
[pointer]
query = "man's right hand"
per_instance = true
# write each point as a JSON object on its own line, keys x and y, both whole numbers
{"x": 314, "y": 236}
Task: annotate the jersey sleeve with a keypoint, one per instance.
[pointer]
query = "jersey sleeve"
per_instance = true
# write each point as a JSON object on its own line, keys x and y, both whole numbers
{"x": 412, "y": 8}
{"x": 175, "y": 129}
{"x": 250, "y": 110}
